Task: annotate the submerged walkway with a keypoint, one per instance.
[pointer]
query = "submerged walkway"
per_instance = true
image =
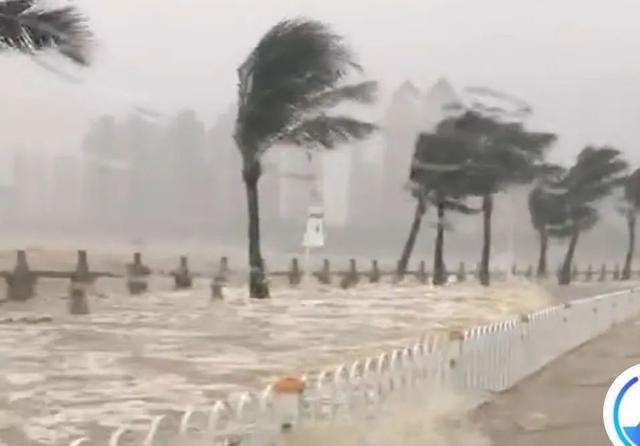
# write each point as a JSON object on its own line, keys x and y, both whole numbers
{"x": 562, "y": 404}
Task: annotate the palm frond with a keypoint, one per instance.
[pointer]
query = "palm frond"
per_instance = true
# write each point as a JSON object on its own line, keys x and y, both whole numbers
{"x": 364, "y": 92}
{"x": 328, "y": 131}
{"x": 27, "y": 28}
{"x": 296, "y": 60}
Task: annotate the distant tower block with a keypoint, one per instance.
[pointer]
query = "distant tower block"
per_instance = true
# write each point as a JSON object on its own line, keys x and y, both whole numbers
{"x": 137, "y": 275}
{"x": 21, "y": 282}
{"x": 182, "y": 276}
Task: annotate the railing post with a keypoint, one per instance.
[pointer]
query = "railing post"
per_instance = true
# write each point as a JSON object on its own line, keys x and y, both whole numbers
{"x": 288, "y": 402}
{"x": 295, "y": 277}
{"x": 21, "y": 282}
{"x": 325, "y": 274}
{"x": 351, "y": 277}
{"x": 462, "y": 273}
{"x": 423, "y": 276}
{"x": 374, "y": 276}
{"x": 182, "y": 276}
{"x": 137, "y": 275}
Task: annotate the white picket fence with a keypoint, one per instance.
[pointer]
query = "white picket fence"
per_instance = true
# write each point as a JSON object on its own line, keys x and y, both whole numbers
{"x": 487, "y": 359}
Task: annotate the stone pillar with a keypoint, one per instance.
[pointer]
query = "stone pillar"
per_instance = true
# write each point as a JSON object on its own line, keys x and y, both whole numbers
{"x": 529, "y": 273}
{"x": 422, "y": 275}
{"x": 223, "y": 270}
{"x": 325, "y": 274}
{"x": 603, "y": 273}
{"x": 374, "y": 275}
{"x": 462, "y": 273}
{"x": 137, "y": 275}
{"x": 295, "y": 276}
{"x": 350, "y": 279}
{"x": 78, "y": 301}
{"x": 588, "y": 276}
{"x": 21, "y": 282}
{"x": 182, "y": 276}
{"x": 217, "y": 286}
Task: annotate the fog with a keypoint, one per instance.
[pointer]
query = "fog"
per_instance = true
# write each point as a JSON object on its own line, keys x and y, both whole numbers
{"x": 172, "y": 172}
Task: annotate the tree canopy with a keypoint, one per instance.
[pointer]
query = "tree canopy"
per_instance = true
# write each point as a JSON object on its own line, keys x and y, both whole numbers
{"x": 28, "y": 27}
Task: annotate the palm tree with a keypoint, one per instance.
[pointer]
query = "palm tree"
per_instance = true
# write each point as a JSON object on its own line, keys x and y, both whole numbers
{"x": 28, "y": 27}
{"x": 287, "y": 85}
{"x": 441, "y": 173}
{"x": 504, "y": 154}
{"x": 546, "y": 208}
{"x": 632, "y": 200}
{"x": 594, "y": 175}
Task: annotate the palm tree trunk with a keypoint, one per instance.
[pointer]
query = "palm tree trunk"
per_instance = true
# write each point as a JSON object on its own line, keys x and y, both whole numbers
{"x": 542, "y": 261}
{"x": 565, "y": 272}
{"x": 411, "y": 241}
{"x": 631, "y": 225}
{"x": 439, "y": 273}
{"x": 258, "y": 288}
{"x": 487, "y": 211}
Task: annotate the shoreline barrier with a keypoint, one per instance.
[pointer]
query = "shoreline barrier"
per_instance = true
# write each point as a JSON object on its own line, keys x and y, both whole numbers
{"x": 479, "y": 360}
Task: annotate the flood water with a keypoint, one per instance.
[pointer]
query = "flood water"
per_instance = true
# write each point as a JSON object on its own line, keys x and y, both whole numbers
{"x": 136, "y": 357}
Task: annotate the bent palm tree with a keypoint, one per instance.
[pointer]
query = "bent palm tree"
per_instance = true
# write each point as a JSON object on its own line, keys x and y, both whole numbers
{"x": 286, "y": 87}
{"x": 27, "y": 27}
{"x": 441, "y": 173}
{"x": 505, "y": 154}
{"x": 594, "y": 175}
{"x": 632, "y": 199}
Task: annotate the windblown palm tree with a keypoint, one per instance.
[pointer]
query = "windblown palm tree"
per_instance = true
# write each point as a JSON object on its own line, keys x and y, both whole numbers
{"x": 632, "y": 201}
{"x": 546, "y": 207}
{"x": 442, "y": 174}
{"x": 597, "y": 171}
{"x": 505, "y": 154}
{"x": 287, "y": 85}
{"x": 28, "y": 27}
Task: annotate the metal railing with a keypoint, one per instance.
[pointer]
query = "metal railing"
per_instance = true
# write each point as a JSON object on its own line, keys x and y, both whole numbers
{"x": 483, "y": 359}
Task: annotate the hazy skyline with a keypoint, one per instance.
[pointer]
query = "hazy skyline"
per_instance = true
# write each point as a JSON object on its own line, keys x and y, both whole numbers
{"x": 576, "y": 62}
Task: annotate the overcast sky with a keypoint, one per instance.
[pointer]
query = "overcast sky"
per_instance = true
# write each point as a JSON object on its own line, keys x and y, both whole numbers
{"x": 576, "y": 61}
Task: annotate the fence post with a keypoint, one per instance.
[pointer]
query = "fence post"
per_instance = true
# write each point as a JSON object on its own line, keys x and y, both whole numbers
{"x": 423, "y": 277}
{"x": 588, "y": 277}
{"x": 603, "y": 273}
{"x": 21, "y": 282}
{"x": 295, "y": 276}
{"x": 529, "y": 273}
{"x": 182, "y": 276}
{"x": 374, "y": 276}
{"x": 325, "y": 275}
{"x": 288, "y": 402}
{"x": 80, "y": 281}
{"x": 351, "y": 277}
{"x": 574, "y": 273}
{"x": 137, "y": 275}
{"x": 462, "y": 273}
{"x": 616, "y": 272}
